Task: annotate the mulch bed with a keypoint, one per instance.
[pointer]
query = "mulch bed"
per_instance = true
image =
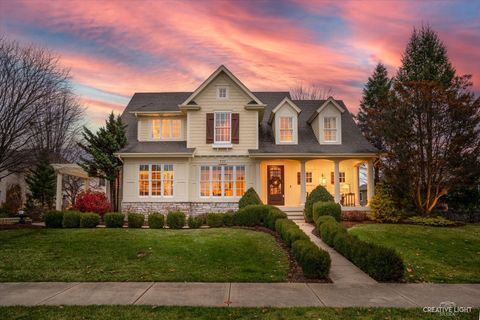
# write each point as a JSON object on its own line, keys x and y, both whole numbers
{"x": 349, "y": 224}
{"x": 19, "y": 226}
{"x": 295, "y": 272}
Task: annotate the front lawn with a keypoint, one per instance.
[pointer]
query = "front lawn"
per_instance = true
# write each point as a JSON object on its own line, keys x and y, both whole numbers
{"x": 187, "y": 313}
{"x": 207, "y": 255}
{"x": 431, "y": 254}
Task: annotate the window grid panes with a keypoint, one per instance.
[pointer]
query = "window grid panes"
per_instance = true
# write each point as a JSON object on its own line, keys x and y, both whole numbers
{"x": 330, "y": 128}
{"x": 286, "y": 129}
{"x": 223, "y": 121}
{"x": 308, "y": 177}
{"x": 156, "y": 180}
{"x": 222, "y": 181}
{"x": 222, "y": 93}
{"x": 143, "y": 180}
{"x": 166, "y": 128}
{"x": 341, "y": 177}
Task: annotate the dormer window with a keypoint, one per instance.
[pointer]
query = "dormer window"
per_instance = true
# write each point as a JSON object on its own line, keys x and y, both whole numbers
{"x": 330, "y": 129}
{"x": 286, "y": 129}
{"x": 222, "y": 92}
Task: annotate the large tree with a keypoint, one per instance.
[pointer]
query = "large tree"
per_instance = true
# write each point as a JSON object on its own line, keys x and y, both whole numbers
{"x": 101, "y": 147}
{"x": 431, "y": 128}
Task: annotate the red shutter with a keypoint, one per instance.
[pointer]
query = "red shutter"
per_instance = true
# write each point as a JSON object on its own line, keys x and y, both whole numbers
{"x": 235, "y": 128}
{"x": 210, "y": 120}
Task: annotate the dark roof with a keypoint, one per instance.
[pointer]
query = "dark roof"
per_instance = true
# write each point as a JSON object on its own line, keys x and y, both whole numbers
{"x": 352, "y": 139}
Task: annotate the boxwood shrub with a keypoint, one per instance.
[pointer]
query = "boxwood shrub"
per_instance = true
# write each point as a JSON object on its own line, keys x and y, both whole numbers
{"x": 114, "y": 220}
{"x": 215, "y": 220}
{"x": 71, "y": 219}
{"x": 317, "y": 194}
{"x": 322, "y": 208}
{"x": 250, "y": 216}
{"x": 228, "y": 219}
{"x": 89, "y": 220}
{"x": 273, "y": 214}
{"x": 176, "y": 220}
{"x": 250, "y": 197}
{"x": 194, "y": 222}
{"x": 323, "y": 219}
{"x": 156, "y": 220}
{"x": 315, "y": 262}
{"x": 329, "y": 229}
{"x": 53, "y": 219}
{"x": 135, "y": 220}
{"x": 289, "y": 231}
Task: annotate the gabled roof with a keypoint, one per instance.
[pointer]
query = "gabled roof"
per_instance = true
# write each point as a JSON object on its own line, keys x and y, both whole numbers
{"x": 279, "y": 106}
{"x": 323, "y": 106}
{"x": 220, "y": 69}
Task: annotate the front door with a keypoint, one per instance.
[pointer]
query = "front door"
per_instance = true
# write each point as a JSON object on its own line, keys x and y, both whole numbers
{"x": 276, "y": 185}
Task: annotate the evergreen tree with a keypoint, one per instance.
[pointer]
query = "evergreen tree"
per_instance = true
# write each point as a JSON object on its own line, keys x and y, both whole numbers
{"x": 101, "y": 147}
{"x": 371, "y": 114}
{"x": 41, "y": 183}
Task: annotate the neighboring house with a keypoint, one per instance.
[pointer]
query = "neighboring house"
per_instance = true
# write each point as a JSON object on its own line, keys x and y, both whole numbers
{"x": 199, "y": 151}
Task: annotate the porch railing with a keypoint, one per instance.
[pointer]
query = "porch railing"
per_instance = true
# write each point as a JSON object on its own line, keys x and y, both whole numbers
{"x": 348, "y": 199}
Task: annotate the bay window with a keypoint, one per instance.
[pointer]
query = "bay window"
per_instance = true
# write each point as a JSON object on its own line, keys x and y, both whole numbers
{"x": 166, "y": 129}
{"x": 156, "y": 180}
{"x": 222, "y": 181}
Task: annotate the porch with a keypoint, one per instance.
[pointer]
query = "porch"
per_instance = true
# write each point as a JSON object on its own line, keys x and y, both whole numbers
{"x": 287, "y": 182}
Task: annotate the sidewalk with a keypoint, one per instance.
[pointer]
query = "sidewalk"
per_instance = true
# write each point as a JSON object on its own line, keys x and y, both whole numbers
{"x": 239, "y": 294}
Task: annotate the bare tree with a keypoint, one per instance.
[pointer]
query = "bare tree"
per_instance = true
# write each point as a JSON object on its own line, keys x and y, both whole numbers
{"x": 312, "y": 92}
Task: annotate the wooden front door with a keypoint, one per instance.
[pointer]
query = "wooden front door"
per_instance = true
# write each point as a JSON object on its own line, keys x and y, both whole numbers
{"x": 275, "y": 185}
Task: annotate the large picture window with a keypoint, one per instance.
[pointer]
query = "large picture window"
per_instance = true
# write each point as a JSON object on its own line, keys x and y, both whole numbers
{"x": 286, "y": 129}
{"x": 166, "y": 129}
{"x": 156, "y": 180}
{"x": 222, "y": 181}
{"x": 330, "y": 129}
{"x": 223, "y": 127}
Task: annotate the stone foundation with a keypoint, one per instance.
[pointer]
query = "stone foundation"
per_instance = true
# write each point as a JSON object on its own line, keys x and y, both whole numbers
{"x": 189, "y": 208}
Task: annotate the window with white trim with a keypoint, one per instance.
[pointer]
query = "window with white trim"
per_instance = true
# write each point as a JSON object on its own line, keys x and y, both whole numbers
{"x": 222, "y": 92}
{"x": 222, "y": 181}
{"x": 330, "y": 129}
{"x": 308, "y": 178}
{"x": 166, "y": 129}
{"x": 223, "y": 127}
{"x": 155, "y": 180}
{"x": 341, "y": 177}
{"x": 286, "y": 129}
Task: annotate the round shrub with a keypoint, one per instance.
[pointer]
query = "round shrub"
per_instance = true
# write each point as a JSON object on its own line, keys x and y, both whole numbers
{"x": 71, "y": 219}
{"x": 251, "y": 216}
{"x": 114, "y": 220}
{"x": 53, "y": 219}
{"x": 273, "y": 214}
{"x": 323, "y": 219}
{"x": 317, "y": 194}
{"x": 329, "y": 229}
{"x": 176, "y": 219}
{"x": 89, "y": 220}
{"x": 135, "y": 220}
{"x": 215, "y": 220}
{"x": 156, "y": 220}
{"x": 315, "y": 262}
{"x": 384, "y": 264}
{"x": 228, "y": 219}
{"x": 194, "y": 222}
{"x": 322, "y": 208}
{"x": 92, "y": 201}
{"x": 250, "y": 197}
{"x": 382, "y": 205}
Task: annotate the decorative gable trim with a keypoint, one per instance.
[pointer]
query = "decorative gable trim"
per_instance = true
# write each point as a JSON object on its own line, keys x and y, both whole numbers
{"x": 285, "y": 100}
{"x": 323, "y": 106}
{"x": 220, "y": 69}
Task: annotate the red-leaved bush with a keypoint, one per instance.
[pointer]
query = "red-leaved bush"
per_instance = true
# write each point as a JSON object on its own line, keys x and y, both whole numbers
{"x": 91, "y": 201}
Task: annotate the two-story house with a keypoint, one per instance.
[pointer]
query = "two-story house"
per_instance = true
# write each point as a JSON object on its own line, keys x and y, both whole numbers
{"x": 199, "y": 151}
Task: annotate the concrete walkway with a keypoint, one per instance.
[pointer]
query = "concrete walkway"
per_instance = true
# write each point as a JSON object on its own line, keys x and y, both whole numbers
{"x": 238, "y": 294}
{"x": 342, "y": 271}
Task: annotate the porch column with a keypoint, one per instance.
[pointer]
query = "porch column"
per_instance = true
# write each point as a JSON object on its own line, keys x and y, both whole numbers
{"x": 336, "y": 177}
{"x": 303, "y": 183}
{"x": 87, "y": 184}
{"x": 370, "y": 182}
{"x": 357, "y": 185}
{"x": 59, "y": 195}
{"x": 257, "y": 178}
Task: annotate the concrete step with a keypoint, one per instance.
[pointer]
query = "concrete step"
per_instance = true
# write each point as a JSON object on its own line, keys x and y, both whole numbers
{"x": 295, "y": 216}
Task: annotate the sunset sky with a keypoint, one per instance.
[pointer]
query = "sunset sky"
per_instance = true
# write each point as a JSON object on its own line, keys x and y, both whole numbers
{"x": 116, "y": 48}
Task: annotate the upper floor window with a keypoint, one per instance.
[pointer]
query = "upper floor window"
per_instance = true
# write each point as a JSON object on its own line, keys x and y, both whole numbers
{"x": 166, "y": 128}
{"x": 222, "y": 93}
{"x": 223, "y": 127}
{"x": 330, "y": 129}
{"x": 286, "y": 129}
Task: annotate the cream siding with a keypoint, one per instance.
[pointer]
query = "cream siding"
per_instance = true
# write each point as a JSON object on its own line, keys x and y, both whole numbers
{"x": 316, "y": 128}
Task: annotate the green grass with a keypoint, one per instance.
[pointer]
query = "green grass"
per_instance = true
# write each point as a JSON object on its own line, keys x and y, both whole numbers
{"x": 431, "y": 254}
{"x": 206, "y": 255}
{"x": 187, "y": 313}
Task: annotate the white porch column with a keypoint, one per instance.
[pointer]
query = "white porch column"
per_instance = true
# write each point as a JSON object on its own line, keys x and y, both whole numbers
{"x": 59, "y": 194}
{"x": 303, "y": 183}
{"x": 357, "y": 185}
{"x": 257, "y": 178}
{"x": 87, "y": 184}
{"x": 336, "y": 177}
{"x": 370, "y": 182}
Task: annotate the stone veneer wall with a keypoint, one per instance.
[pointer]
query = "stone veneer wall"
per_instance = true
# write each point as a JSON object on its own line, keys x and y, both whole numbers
{"x": 190, "y": 208}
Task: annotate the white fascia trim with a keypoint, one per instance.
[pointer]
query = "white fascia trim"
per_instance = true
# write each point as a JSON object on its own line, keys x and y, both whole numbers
{"x": 278, "y": 107}
{"x": 330, "y": 99}
{"x": 313, "y": 155}
{"x": 156, "y": 113}
{"x": 155, "y": 155}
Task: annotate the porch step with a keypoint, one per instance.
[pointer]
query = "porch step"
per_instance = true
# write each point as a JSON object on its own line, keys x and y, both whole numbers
{"x": 297, "y": 216}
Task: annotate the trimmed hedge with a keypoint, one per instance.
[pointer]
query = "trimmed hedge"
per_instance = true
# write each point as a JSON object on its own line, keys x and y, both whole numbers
{"x": 250, "y": 197}
{"x": 317, "y": 194}
{"x": 250, "y": 216}
{"x": 322, "y": 208}
{"x": 228, "y": 219}
{"x": 382, "y": 264}
{"x": 71, "y": 219}
{"x": 272, "y": 216}
{"x": 215, "y": 220}
{"x": 176, "y": 220}
{"x": 89, "y": 220}
{"x": 135, "y": 220}
{"x": 156, "y": 220}
{"x": 53, "y": 219}
{"x": 289, "y": 231}
{"x": 315, "y": 262}
{"x": 194, "y": 222}
{"x": 114, "y": 220}
{"x": 323, "y": 219}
